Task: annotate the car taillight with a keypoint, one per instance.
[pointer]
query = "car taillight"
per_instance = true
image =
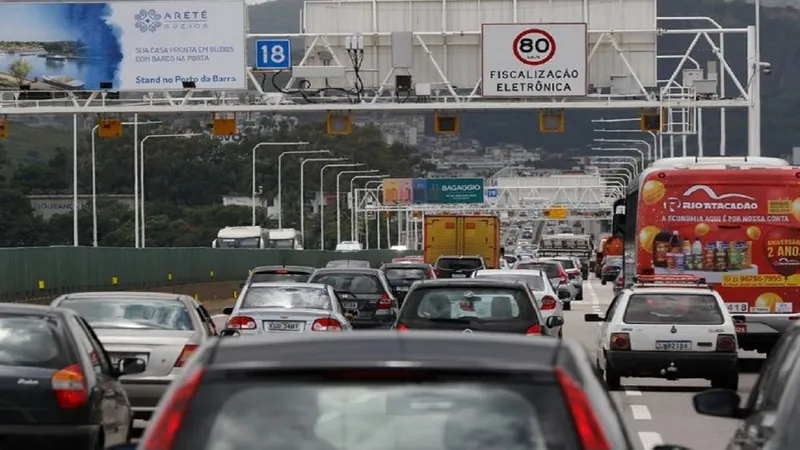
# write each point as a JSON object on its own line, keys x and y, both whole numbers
{"x": 726, "y": 343}
{"x": 620, "y": 282}
{"x": 165, "y": 427}
{"x": 590, "y": 432}
{"x": 326, "y": 324}
{"x": 69, "y": 386}
{"x": 385, "y": 302}
{"x": 534, "y": 330}
{"x": 564, "y": 278}
{"x": 620, "y": 341}
{"x": 548, "y": 302}
{"x": 401, "y": 327}
{"x": 242, "y": 323}
{"x": 186, "y": 353}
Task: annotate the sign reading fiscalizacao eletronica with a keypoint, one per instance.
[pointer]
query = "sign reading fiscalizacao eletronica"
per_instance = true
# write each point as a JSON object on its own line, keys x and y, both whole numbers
{"x": 135, "y": 46}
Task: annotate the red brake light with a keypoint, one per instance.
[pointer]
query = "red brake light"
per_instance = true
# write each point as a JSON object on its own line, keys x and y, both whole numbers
{"x": 242, "y": 323}
{"x": 726, "y": 343}
{"x": 662, "y": 175}
{"x": 590, "y": 432}
{"x": 534, "y": 330}
{"x": 167, "y": 424}
{"x": 69, "y": 386}
{"x": 402, "y": 327}
{"x": 620, "y": 341}
{"x": 282, "y": 271}
{"x": 326, "y": 324}
{"x": 185, "y": 354}
{"x": 548, "y": 302}
{"x": 385, "y": 301}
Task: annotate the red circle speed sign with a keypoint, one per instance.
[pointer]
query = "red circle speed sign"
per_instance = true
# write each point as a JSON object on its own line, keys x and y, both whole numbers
{"x": 534, "y": 47}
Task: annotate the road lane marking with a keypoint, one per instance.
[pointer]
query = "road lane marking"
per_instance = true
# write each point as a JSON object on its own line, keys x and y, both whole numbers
{"x": 633, "y": 393}
{"x": 640, "y": 412}
{"x": 650, "y": 439}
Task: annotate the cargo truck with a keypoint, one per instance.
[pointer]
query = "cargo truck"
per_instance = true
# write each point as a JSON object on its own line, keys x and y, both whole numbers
{"x": 462, "y": 235}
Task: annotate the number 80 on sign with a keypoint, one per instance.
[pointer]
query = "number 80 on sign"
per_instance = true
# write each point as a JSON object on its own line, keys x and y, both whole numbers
{"x": 534, "y": 47}
{"x": 273, "y": 54}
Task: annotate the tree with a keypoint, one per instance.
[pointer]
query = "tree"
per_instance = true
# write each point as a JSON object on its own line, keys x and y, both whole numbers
{"x": 20, "y": 69}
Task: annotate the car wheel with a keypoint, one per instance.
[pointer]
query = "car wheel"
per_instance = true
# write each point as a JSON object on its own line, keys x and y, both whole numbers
{"x": 613, "y": 379}
{"x": 729, "y": 381}
{"x": 567, "y": 306}
{"x": 579, "y": 296}
{"x": 560, "y": 334}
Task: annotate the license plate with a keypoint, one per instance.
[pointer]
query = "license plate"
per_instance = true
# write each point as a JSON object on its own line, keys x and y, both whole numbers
{"x": 350, "y": 305}
{"x": 402, "y": 289}
{"x": 459, "y": 275}
{"x": 284, "y": 326}
{"x": 673, "y": 345}
{"x": 740, "y": 328}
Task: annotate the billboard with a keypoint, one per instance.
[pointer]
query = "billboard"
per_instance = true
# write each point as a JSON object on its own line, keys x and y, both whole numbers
{"x": 135, "y": 46}
{"x": 455, "y": 190}
{"x": 419, "y": 191}
{"x": 397, "y": 191}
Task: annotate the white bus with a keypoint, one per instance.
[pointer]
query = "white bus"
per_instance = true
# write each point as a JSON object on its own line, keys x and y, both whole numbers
{"x": 241, "y": 237}
{"x": 284, "y": 239}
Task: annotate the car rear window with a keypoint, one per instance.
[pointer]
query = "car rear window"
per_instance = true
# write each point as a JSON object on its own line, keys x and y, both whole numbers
{"x": 567, "y": 264}
{"x": 459, "y": 263}
{"x": 481, "y": 303}
{"x": 389, "y": 415}
{"x": 551, "y": 270}
{"x": 355, "y": 283}
{"x": 30, "y": 341}
{"x": 406, "y": 274}
{"x": 535, "y": 282}
{"x": 286, "y": 297}
{"x": 132, "y": 314}
{"x": 689, "y": 309}
{"x": 616, "y": 262}
{"x": 348, "y": 263}
{"x": 279, "y": 275}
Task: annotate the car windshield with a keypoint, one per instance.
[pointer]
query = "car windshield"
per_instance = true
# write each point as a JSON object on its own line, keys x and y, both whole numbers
{"x": 29, "y": 341}
{"x": 279, "y": 275}
{"x": 396, "y": 415}
{"x": 689, "y": 309}
{"x": 396, "y": 275}
{"x": 311, "y": 297}
{"x": 139, "y": 313}
{"x": 253, "y": 242}
{"x": 550, "y": 269}
{"x": 475, "y": 303}
{"x": 459, "y": 263}
{"x": 355, "y": 283}
{"x": 535, "y": 282}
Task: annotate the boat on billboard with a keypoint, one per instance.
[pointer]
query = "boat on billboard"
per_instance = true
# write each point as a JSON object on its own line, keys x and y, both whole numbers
{"x": 134, "y": 46}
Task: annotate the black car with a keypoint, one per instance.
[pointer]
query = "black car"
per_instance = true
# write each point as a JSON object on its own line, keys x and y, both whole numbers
{"x": 413, "y": 390}
{"x": 58, "y": 388}
{"x": 402, "y": 275}
{"x": 476, "y": 304}
{"x": 769, "y": 416}
{"x": 270, "y": 274}
{"x": 611, "y": 268}
{"x": 458, "y": 266}
{"x": 377, "y": 305}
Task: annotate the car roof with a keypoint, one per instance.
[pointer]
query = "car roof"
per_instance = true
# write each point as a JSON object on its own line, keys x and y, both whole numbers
{"x": 472, "y": 282}
{"x": 292, "y": 268}
{"x": 434, "y": 349}
{"x": 672, "y": 289}
{"x": 364, "y": 270}
{"x": 511, "y": 271}
{"x": 125, "y": 295}
{"x": 288, "y": 284}
{"x": 27, "y": 308}
{"x": 406, "y": 265}
{"x": 460, "y": 256}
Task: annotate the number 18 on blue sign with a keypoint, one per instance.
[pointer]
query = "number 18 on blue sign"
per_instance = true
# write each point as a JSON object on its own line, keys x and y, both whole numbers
{"x": 273, "y": 54}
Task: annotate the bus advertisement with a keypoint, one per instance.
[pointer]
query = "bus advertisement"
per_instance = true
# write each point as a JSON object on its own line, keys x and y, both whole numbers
{"x": 737, "y": 229}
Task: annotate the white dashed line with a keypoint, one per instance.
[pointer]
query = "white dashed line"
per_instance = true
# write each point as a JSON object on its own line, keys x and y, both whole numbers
{"x": 640, "y": 412}
{"x": 633, "y": 393}
{"x": 650, "y": 439}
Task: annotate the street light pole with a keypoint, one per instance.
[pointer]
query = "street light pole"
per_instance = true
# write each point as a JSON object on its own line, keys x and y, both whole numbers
{"x": 280, "y": 186}
{"x": 658, "y": 151}
{"x": 624, "y": 149}
{"x": 141, "y": 169}
{"x": 256, "y": 147}
{"x": 322, "y": 198}
{"x": 630, "y": 141}
{"x": 338, "y": 199}
{"x": 353, "y": 206}
{"x": 94, "y": 175}
{"x": 632, "y": 172}
{"x": 302, "y": 191}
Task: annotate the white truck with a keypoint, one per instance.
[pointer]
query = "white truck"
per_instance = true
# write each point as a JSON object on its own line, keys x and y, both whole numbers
{"x": 241, "y": 237}
{"x": 284, "y": 239}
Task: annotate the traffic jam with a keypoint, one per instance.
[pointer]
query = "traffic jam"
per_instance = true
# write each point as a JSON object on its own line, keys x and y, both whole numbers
{"x": 505, "y": 333}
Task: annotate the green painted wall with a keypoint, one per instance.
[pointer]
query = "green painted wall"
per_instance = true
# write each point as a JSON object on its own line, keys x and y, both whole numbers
{"x": 28, "y": 273}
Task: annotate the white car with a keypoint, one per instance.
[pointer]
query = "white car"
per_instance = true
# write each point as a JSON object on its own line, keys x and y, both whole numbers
{"x": 667, "y": 327}
{"x": 349, "y": 246}
{"x": 547, "y": 300}
{"x": 571, "y": 265}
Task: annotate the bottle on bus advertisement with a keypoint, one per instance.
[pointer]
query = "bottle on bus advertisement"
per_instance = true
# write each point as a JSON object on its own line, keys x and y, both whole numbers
{"x": 741, "y": 234}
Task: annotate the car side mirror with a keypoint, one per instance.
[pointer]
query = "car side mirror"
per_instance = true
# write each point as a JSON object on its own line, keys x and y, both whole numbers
{"x": 130, "y": 366}
{"x": 563, "y": 295}
{"x": 229, "y": 333}
{"x": 718, "y": 403}
{"x": 592, "y": 318}
{"x": 227, "y": 311}
{"x": 554, "y": 321}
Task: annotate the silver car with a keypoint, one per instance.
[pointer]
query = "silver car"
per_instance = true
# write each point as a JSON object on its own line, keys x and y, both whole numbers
{"x": 548, "y": 301}
{"x": 288, "y": 308}
{"x": 161, "y": 329}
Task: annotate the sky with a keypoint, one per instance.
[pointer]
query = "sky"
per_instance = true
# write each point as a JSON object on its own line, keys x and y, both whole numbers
{"x": 32, "y": 22}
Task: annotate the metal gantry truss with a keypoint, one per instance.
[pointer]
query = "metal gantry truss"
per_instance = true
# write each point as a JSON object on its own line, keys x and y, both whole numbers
{"x": 380, "y": 98}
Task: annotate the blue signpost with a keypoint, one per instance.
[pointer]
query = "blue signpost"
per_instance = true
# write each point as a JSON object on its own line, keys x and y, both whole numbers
{"x": 273, "y": 54}
{"x": 491, "y": 193}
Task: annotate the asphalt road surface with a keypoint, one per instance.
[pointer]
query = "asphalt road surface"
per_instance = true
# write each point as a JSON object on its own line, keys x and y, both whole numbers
{"x": 659, "y": 411}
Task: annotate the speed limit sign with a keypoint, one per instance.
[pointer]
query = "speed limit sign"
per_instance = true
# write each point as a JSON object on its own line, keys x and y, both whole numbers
{"x": 534, "y": 47}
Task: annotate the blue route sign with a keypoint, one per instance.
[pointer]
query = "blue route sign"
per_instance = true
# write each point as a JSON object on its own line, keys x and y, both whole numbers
{"x": 491, "y": 193}
{"x": 273, "y": 54}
